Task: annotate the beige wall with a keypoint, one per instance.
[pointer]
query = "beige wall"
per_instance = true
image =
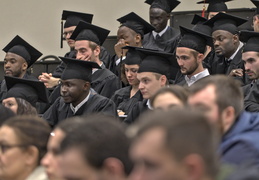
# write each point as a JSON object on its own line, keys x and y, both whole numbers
{"x": 38, "y": 21}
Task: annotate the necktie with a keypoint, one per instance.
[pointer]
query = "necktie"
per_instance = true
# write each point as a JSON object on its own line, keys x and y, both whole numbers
{"x": 158, "y": 36}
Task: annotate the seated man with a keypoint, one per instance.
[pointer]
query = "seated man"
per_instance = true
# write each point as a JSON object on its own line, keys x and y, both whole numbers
{"x": 190, "y": 55}
{"x": 153, "y": 74}
{"x": 97, "y": 149}
{"x": 77, "y": 98}
{"x": 20, "y": 55}
{"x": 220, "y": 98}
{"x": 177, "y": 145}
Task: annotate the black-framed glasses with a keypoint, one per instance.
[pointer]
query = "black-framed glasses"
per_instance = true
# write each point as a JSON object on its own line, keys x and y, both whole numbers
{"x": 5, "y": 147}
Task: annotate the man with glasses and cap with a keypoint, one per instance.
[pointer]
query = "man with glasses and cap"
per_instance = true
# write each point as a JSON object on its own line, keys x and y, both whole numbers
{"x": 72, "y": 19}
{"x": 19, "y": 57}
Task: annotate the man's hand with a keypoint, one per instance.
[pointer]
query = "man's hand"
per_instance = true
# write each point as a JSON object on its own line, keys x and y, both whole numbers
{"x": 48, "y": 80}
{"x": 236, "y": 73}
{"x": 117, "y": 47}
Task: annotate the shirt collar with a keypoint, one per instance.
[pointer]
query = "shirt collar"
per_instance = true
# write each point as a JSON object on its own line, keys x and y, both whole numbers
{"x": 160, "y": 33}
{"x": 196, "y": 77}
{"x": 239, "y": 47}
{"x": 149, "y": 105}
{"x": 75, "y": 109}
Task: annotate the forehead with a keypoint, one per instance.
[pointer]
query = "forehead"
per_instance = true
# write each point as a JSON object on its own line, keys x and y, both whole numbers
{"x": 7, "y": 134}
{"x": 123, "y": 31}
{"x": 10, "y": 55}
{"x": 184, "y": 51}
{"x": 224, "y": 33}
{"x": 56, "y": 137}
{"x": 71, "y": 81}
{"x": 155, "y": 12}
{"x": 250, "y": 54}
{"x": 81, "y": 43}
{"x": 10, "y": 99}
{"x": 71, "y": 28}
{"x": 131, "y": 66}
{"x": 150, "y": 142}
{"x": 206, "y": 96}
{"x": 148, "y": 75}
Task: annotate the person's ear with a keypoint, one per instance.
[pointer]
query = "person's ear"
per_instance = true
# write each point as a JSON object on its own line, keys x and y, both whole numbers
{"x": 87, "y": 86}
{"x": 138, "y": 39}
{"x": 114, "y": 168}
{"x": 228, "y": 118}
{"x": 24, "y": 66}
{"x": 32, "y": 155}
{"x": 194, "y": 167}
{"x": 163, "y": 80}
{"x": 97, "y": 51}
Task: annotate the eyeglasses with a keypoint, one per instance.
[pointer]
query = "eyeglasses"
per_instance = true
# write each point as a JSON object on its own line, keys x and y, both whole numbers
{"x": 5, "y": 147}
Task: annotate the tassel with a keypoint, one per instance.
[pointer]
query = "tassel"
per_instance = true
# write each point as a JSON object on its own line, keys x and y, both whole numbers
{"x": 203, "y": 10}
{"x": 61, "y": 38}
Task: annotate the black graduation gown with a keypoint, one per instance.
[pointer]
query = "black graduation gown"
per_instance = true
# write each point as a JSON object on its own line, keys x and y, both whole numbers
{"x": 123, "y": 101}
{"x": 137, "y": 109}
{"x": 96, "y": 103}
{"x": 251, "y": 101}
{"x": 3, "y": 90}
{"x": 219, "y": 66}
{"x": 104, "y": 82}
{"x": 167, "y": 43}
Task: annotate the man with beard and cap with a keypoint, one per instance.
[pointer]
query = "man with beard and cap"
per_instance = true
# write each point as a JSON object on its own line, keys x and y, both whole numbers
{"x": 72, "y": 19}
{"x": 125, "y": 98}
{"x": 30, "y": 90}
{"x": 153, "y": 75}
{"x": 130, "y": 33}
{"x": 215, "y": 6}
{"x": 77, "y": 98}
{"x": 250, "y": 57}
{"x": 163, "y": 38}
{"x": 190, "y": 55}
{"x": 227, "y": 46}
{"x": 256, "y": 16}
{"x": 20, "y": 55}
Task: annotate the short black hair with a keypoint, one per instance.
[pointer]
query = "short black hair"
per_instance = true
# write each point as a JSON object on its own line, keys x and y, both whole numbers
{"x": 99, "y": 137}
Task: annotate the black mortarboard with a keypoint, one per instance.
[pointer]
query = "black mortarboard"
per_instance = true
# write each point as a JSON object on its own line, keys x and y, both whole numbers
{"x": 136, "y": 23}
{"x": 226, "y": 22}
{"x": 72, "y": 19}
{"x": 251, "y": 39}
{"x": 156, "y": 61}
{"x": 132, "y": 56}
{"x": 199, "y": 25}
{"x": 78, "y": 69}
{"x": 194, "y": 40}
{"x": 256, "y": 3}
{"x": 215, "y": 5}
{"x": 22, "y": 48}
{"x": 90, "y": 32}
{"x": 31, "y": 90}
{"x": 166, "y": 5}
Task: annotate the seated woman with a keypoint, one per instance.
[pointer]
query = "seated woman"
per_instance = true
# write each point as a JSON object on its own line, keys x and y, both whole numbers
{"x": 23, "y": 141}
{"x": 169, "y": 97}
{"x": 125, "y": 98}
{"x": 19, "y": 106}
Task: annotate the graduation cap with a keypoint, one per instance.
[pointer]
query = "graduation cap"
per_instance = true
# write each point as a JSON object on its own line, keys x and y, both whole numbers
{"x": 156, "y": 61}
{"x": 78, "y": 69}
{"x": 31, "y": 90}
{"x": 215, "y": 5}
{"x": 251, "y": 39}
{"x": 256, "y": 3}
{"x": 90, "y": 32}
{"x": 166, "y": 5}
{"x": 226, "y": 22}
{"x": 194, "y": 40}
{"x": 199, "y": 25}
{"x": 132, "y": 56}
{"x": 20, "y": 47}
{"x": 72, "y": 18}
{"x": 136, "y": 23}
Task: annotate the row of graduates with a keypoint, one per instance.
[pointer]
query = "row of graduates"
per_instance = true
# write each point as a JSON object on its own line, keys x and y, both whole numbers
{"x": 89, "y": 37}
